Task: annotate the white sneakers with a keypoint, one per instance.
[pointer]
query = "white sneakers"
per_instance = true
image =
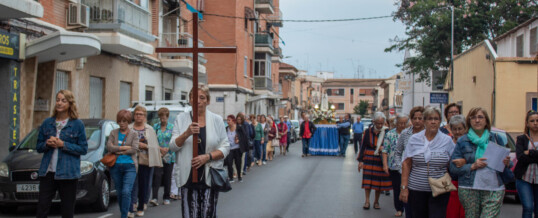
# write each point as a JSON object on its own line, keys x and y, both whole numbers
{"x": 154, "y": 202}
{"x": 130, "y": 215}
{"x": 166, "y": 202}
{"x": 140, "y": 213}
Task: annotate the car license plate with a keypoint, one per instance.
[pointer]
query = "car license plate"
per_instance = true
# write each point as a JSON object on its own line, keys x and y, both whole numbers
{"x": 27, "y": 187}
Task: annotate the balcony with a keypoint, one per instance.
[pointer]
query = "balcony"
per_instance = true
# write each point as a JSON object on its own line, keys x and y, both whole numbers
{"x": 122, "y": 26}
{"x": 180, "y": 62}
{"x": 263, "y": 43}
{"x": 263, "y": 83}
{"x": 276, "y": 19}
{"x": 277, "y": 55}
{"x": 264, "y": 6}
{"x": 10, "y": 9}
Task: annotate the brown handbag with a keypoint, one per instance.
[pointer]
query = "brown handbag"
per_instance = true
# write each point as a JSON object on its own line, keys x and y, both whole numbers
{"x": 110, "y": 158}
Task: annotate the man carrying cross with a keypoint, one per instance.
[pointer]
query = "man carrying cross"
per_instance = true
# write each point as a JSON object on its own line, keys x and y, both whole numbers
{"x": 200, "y": 140}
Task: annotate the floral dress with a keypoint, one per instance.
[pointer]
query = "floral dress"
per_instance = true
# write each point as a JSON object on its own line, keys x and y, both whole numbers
{"x": 164, "y": 139}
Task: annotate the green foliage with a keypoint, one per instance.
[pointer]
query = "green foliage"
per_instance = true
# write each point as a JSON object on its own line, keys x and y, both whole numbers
{"x": 428, "y": 28}
{"x": 361, "y": 108}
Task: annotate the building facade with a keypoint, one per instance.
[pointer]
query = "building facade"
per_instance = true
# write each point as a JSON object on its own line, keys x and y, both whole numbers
{"x": 345, "y": 94}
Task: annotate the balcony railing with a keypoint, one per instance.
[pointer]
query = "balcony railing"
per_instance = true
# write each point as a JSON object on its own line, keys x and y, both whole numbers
{"x": 119, "y": 15}
{"x": 264, "y": 6}
{"x": 264, "y": 40}
{"x": 263, "y": 83}
{"x": 276, "y": 18}
{"x": 277, "y": 52}
{"x": 181, "y": 40}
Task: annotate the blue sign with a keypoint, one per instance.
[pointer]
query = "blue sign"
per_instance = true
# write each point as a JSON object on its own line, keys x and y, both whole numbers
{"x": 220, "y": 99}
{"x": 438, "y": 98}
{"x": 9, "y": 45}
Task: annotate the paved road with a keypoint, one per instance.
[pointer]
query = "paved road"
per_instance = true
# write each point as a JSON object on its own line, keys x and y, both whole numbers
{"x": 289, "y": 186}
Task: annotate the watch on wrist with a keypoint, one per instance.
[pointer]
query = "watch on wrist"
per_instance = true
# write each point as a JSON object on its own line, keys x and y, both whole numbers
{"x": 210, "y": 157}
{"x": 403, "y": 187}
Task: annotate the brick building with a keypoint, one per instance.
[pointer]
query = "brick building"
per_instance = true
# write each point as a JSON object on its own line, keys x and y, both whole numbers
{"x": 346, "y": 93}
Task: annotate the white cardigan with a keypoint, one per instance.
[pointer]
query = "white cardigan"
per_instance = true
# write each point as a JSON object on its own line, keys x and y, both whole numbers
{"x": 216, "y": 139}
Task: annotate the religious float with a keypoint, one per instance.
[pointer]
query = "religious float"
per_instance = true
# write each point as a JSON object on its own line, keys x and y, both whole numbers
{"x": 325, "y": 139}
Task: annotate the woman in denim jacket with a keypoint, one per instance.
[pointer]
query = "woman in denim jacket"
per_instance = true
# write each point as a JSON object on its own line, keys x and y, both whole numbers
{"x": 62, "y": 140}
{"x": 481, "y": 201}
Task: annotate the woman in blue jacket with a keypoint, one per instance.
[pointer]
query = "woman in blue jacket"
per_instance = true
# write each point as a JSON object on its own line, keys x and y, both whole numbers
{"x": 62, "y": 140}
{"x": 484, "y": 199}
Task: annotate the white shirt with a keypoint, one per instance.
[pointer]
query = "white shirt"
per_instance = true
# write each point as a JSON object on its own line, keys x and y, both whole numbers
{"x": 54, "y": 160}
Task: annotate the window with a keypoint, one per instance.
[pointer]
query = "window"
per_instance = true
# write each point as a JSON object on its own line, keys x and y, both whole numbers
{"x": 534, "y": 104}
{"x": 149, "y": 93}
{"x": 245, "y": 66}
{"x": 184, "y": 96}
{"x": 62, "y": 81}
{"x": 335, "y": 92}
{"x": 259, "y": 68}
{"x": 534, "y": 40}
{"x": 519, "y": 46}
{"x": 340, "y": 106}
{"x": 351, "y": 91}
{"x": 437, "y": 81}
{"x": 364, "y": 92}
{"x": 96, "y": 97}
{"x": 125, "y": 95}
{"x": 167, "y": 94}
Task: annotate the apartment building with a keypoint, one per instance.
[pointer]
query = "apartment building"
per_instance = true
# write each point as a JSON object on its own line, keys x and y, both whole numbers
{"x": 344, "y": 94}
{"x": 289, "y": 101}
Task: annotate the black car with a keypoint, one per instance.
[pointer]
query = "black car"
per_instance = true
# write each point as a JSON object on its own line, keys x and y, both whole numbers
{"x": 19, "y": 180}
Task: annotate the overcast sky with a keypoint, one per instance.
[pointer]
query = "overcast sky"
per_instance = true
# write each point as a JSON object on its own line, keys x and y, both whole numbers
{"x": 341, "y": 47}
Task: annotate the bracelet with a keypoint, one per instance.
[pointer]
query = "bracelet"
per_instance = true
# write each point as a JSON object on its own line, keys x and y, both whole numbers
{"x": 210, "y": 156}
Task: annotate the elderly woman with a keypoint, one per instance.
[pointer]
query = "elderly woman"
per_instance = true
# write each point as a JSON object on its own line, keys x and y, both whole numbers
{"x": 370, "y": 160}
{"x": 450, "y": 110}
{"x": 526, "y": 170}
{"x": 426, "y": 156}
{"x": 149, "y": 156}
{"x": 484, "y": 200}
{"x": 199, "y": 200}
{"x": 458, "y": 128}
{"x": 272, "y": 137}
{"x": 390, "y": 166}
{"x": 259, "y": 139}
{"x": 164, "y": 174}
{"x": 283, "y": 132}
{"x": 266, "y": 129}
{"x": 123, "y": 143}
{"x": 62, "y": 140}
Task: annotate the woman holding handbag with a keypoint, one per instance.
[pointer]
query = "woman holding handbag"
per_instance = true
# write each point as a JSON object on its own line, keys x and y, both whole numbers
{"x": 199, "y": 198}
{"x": 149, "y": 156}
{"x": 484, "y": 200}
{"x": 272, "y": 137}
{"x": 424, "y": 166}
{"x": 526, "y": 170}
{"x": 123, "y": 145}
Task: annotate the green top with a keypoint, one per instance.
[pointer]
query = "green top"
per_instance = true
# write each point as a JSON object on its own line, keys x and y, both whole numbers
{"x": 259, "y": 132}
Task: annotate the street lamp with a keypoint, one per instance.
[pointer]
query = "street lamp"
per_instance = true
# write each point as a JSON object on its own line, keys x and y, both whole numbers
{"x": 316, "y": 106}
{"x": 332, "y": 107}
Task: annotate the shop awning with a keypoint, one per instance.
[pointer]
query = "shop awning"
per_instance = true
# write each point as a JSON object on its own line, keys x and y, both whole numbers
{"x": 63, "y": 45}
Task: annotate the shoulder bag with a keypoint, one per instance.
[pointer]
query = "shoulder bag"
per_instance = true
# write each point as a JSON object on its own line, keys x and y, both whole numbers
{"x": 219, "y": 180}
{"x": 441, "y": 185}
{"x": 110, "y": 158}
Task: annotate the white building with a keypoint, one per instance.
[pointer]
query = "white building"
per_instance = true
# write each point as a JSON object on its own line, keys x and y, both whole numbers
{"x": 325, "y": 75}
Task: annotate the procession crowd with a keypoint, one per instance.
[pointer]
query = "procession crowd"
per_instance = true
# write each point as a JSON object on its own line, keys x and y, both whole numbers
{"x": 441, "y": 171}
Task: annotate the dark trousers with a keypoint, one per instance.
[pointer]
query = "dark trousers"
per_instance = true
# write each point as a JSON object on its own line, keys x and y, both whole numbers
{"x": 47, "y": 190}
{"x": 528, "y": 194}
{"x": 162, "y": 176}
{"x": 257, "y": 150}
{"x": 234, "y": 155}
{"x": 396, "y": 179}
{"x": 424, "y": 205}
{"x": 288, "y": 142}
{"x": 248, "y": 159}
{"x": 141, "y": 186}
{"x": 357, "y": 139}
{"x": 305, "y": 145}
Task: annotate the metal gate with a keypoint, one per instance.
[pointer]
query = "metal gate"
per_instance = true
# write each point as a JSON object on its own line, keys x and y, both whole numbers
{"x": 62, "y": 81}
{"x": 96, "y": 97}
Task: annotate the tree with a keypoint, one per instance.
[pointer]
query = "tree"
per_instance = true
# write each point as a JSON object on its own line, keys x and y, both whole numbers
{"x": 361, "y": 108}
{"x": 428, "y": 29}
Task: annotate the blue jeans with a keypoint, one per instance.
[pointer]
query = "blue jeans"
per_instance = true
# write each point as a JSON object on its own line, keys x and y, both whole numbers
{"x": 528, "y": 194}
{"x": 343, "y": 140}
{"x": 257, "y": 150}
{"x": 264, "y": 151}
{"x": 305, "y": 145}
{"x": 123, "y": 176}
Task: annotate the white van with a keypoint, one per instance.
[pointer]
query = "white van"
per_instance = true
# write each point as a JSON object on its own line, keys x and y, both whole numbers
{"x": 174, "y": 106}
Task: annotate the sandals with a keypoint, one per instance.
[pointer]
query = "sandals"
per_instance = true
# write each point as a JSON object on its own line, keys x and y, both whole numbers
{"x": 398, "y": 214}
{"x": 376, "y": 206}
{"x": 366, "y": 206}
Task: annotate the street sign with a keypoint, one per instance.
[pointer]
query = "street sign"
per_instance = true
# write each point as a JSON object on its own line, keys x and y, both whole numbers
{"x": 220, "y": 99}
{"x": 404, "y": 85}
{"x": 9, "y": 45}
{"x": 392, "y": 111}
{"x": 438, "y": 98}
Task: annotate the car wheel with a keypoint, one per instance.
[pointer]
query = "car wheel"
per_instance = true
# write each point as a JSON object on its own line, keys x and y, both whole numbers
{"x": 11, "y": 209}
{"x": 103, "y": 198}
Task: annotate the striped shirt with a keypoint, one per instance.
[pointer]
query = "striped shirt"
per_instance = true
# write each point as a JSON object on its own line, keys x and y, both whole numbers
{"x": 400, "y": 145}
{"x": 418, "y": 178}
{"x": 531, "y": 175}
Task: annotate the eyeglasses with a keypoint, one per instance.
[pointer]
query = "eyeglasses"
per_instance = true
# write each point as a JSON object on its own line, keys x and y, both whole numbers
{"x": 453, "y": 112}
{"x": 478, "y": 117}
{"x": 138, "y": 114}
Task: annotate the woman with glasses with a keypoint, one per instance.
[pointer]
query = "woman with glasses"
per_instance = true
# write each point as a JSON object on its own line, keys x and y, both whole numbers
{"x": 484, "y": 199}
{"x": 450, "y": 110}
{"x": 526, "y": 170}
{"x": 426, "y": 156}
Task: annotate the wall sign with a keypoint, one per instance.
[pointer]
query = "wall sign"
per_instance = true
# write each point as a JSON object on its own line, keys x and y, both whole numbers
{"x": 14, "y": 103}
{"x": 438, "y": 98}
{"x": 9, "y": 45}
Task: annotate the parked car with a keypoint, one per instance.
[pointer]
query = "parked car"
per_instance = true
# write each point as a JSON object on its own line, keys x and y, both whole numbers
{"x": 19, "y": 181}
{"x": 295, "y": 133}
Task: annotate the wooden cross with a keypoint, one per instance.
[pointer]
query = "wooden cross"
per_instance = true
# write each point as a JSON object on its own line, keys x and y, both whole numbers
{"x": 195, "y": 50}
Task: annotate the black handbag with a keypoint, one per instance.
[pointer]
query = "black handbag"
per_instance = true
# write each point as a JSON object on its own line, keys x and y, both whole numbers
{"x": 219, "y": 180}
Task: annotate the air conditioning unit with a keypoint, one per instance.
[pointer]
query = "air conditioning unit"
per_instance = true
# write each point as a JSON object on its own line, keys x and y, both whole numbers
{"x": 78, "y": 15}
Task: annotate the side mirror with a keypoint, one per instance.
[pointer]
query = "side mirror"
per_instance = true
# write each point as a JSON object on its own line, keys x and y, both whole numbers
{"x": 11, "y": 148}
